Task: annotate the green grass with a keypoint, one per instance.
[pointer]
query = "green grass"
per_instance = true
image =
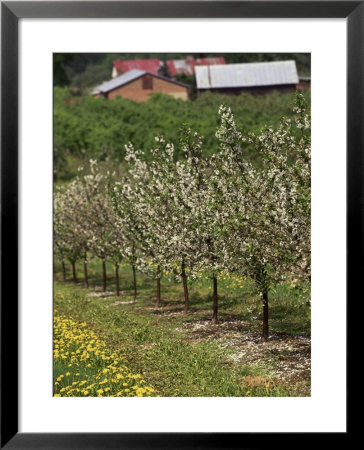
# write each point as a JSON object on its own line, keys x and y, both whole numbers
{"x": 162, "y": 344}
{"x": 84, "y": 366}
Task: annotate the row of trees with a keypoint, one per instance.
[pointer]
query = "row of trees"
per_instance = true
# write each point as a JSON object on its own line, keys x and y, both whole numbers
{"x": 88, "y": 128}
{"x": 199, "y": 215}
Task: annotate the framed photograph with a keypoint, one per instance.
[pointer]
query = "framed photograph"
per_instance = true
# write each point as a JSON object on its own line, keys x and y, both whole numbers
{"x": 165, "y": 232}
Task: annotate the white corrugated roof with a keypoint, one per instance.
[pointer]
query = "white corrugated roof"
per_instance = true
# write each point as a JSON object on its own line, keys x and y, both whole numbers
{"x": 119, "y": 81}
{"x": 246, "y": 75}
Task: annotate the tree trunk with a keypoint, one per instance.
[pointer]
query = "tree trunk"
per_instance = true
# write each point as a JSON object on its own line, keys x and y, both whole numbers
{"x": 64, "y": 270}
{"x": 135, "y": 285}
{"x": 185, "y": 289}
{"x": 85, "y": 274}
{"x": 74, "y": 272}
{"x": 117, "y": 280}
{"x": 214, "y": 315}
{"x": 265, "y": 316}
{"x": 158, "y": 302}
{"x": 103, "y": 276}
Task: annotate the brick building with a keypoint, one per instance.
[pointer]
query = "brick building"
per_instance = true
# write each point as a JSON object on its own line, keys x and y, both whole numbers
{"x": 138, "y": 85}
{"x": 304, "y": 84}
{"x": 255, "y": 78}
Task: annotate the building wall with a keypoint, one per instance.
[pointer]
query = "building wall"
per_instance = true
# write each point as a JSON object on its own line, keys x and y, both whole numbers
{"x": 135, "y": 91}
{"x": 304, "y": 85}
{"x": 257, "y": 90}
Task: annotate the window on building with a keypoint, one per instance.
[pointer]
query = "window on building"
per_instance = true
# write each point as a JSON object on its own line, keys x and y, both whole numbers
{"x": 147, "y": 82}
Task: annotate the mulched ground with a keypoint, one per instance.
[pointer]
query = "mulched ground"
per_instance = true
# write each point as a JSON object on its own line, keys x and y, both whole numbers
{"x": 286, "y": 358}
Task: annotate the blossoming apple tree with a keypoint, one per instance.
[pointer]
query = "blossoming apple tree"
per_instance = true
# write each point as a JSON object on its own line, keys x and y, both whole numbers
{"x": 267, "y": 217}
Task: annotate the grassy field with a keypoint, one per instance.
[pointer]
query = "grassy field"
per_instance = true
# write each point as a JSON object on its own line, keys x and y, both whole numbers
{"x": 175, "y": 354}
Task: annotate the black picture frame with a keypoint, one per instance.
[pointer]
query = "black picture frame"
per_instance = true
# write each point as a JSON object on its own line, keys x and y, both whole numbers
{"x": 11, "y": 12}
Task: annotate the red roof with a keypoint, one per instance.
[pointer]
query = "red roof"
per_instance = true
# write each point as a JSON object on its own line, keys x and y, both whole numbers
{"x": 148, "y": 65}
{"x": 187, "y": 65}
{"x": 176, "y": 66}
